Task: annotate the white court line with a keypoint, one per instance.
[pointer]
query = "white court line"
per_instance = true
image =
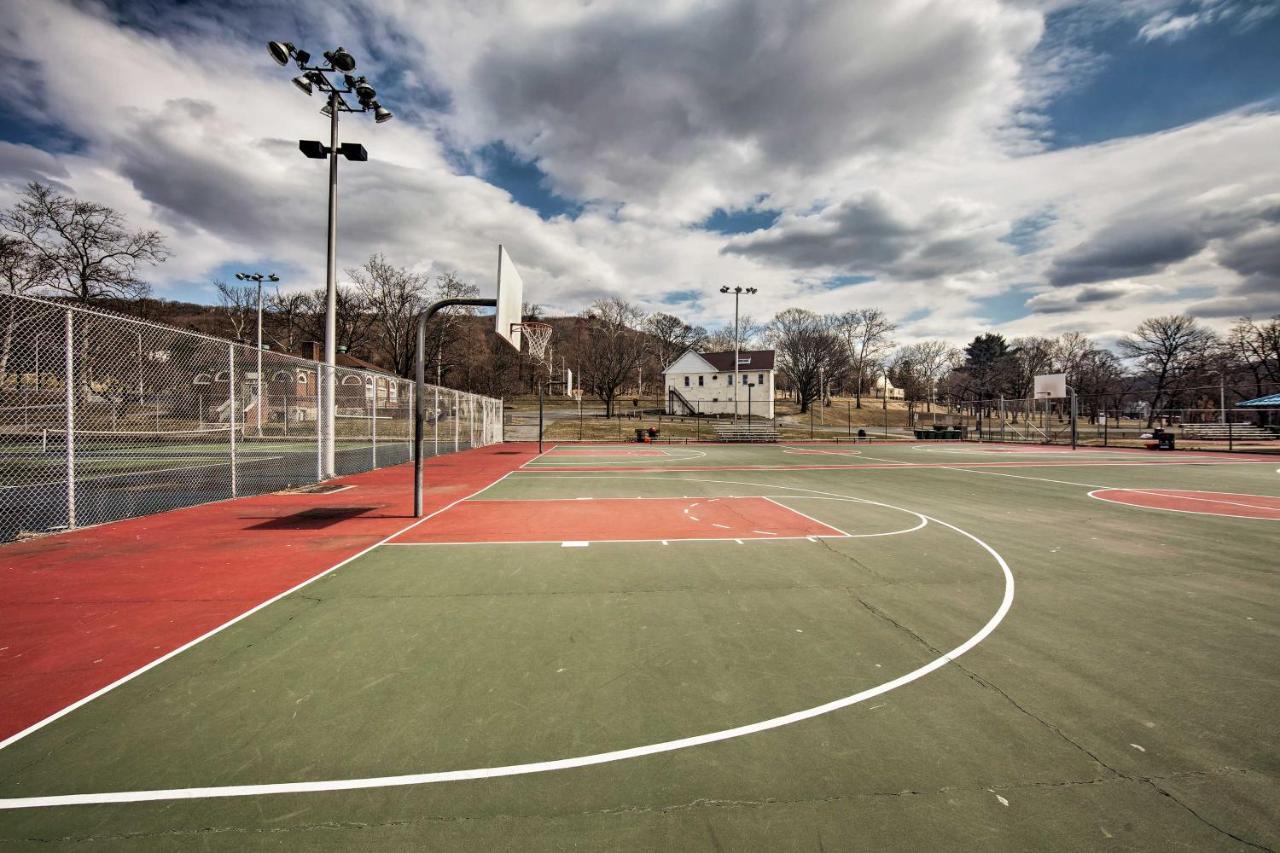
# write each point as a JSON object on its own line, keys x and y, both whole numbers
{"x": 143, "y": 472}
{"x": 810, "y": 517}
{"x": 942, "y": 660}
{"x": 124, "y": 679}
{"x": 648, "y": 460}
{"x": 1170, "y": 509}
{"x": 774, "y": 538}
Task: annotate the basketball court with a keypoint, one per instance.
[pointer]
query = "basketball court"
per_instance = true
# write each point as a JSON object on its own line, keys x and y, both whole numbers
{"x": 753, "y": 647}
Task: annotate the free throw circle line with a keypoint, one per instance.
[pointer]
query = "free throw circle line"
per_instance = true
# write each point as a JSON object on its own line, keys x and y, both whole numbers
{"x": 218, "y": 791}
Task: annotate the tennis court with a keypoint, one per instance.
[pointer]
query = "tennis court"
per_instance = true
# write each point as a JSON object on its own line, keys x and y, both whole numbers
{"x": 792, "y": 646}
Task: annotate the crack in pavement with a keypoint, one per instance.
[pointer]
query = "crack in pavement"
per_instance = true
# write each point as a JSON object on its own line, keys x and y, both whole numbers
{"x": 986, "y": 683}
{"x": 699, "y": 803}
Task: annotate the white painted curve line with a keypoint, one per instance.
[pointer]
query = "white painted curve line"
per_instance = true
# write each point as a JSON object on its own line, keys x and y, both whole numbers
{"x": 101, "y": 691}
{"x": 1006, "y": 603}
{"x": 574, "y": 544}
{"x": 810, "y": 517}
{"x": 1170, "y": 509}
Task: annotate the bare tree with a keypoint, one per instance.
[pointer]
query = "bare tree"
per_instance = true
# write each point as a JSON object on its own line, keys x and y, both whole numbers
{"x": 21, "y": 270}
{"x": 284, "y": 318}
{"x": 239, "y": 304}
{"x": 1029, "y": 357}
{"x": 395, "y": 297}
{"x": 1256, "y": 347}
{"x": 931, "y": 362}
{"x": 1165, "y": 350}
{"x": 672, "y": 337}
{"x": 444, "y": 331}
{"x": 89, "y": 251}
{"x": 352, "y": 319}
{"x": 866, "y": 333}
{"x": 749, "y": 331}
{"x": 808, "y": 350}
{"x": 611, "y": 348}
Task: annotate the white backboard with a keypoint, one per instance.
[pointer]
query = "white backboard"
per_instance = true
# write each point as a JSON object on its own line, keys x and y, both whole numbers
{"x": 510, "y": 300}
{"x": 1050, "y": 386}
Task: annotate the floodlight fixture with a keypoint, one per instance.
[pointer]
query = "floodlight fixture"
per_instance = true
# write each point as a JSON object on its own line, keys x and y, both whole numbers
{"x": 364, "y": 91}
{"x": 340, "y": 59}
{"x": 337, "y": 61}
{"x": 314, "y": 149}
{"x": 353, "y": 151}
{"x": 724, "y": 289}
{"x": 281, "y": 51}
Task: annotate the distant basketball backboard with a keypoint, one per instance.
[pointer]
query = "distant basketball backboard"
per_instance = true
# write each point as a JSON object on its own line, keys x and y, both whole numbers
{"x": 1049, "y": 386}
{"x": 510, "y": 300}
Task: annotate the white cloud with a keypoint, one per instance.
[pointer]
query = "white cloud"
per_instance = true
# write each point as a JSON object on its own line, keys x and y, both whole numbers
{"x": 887, "y": 134}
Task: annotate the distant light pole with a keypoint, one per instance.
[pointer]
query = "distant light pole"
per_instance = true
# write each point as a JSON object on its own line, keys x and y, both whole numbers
{"x": 750, "y": 385}
{"x": 737, "y": 292}
{"x": 258, "y": 278}
{"x": 337, "y": 61}
{"x": 885, "y": 400}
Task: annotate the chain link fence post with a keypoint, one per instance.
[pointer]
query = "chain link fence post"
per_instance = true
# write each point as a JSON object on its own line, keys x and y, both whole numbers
{"x": 232, "y": 405}
{"x": 70, "y": 444}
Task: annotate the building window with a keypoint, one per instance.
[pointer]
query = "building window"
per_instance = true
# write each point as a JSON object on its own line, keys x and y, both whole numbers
{"x": 728, "y": 378}
{"x": 686, "y": 382}
{"x": 699, "y": 381}
{"x": 760, "y": 381}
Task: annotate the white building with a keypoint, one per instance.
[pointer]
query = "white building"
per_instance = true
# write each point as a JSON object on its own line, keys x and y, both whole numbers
{"x": 895, "y": 393}
{"x": 703, "y": 383}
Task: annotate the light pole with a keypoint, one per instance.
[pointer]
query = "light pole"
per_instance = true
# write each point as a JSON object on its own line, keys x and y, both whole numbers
{"x": 258, "y": 278}
{"x": 750, "y": 385}
{"x": 884, "y": 398}
{"x": 337, "y": 61}
{"x": 737, "y": 292}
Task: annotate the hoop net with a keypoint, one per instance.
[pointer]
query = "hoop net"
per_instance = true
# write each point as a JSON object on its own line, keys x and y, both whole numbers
{"x": 537, "y": 335}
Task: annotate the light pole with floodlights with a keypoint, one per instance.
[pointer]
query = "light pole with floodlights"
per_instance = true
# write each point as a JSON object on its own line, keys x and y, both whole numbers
{"x": 737, "y": 292}
{"x": 258, "y": 278}
{"x": 313, "y": 77}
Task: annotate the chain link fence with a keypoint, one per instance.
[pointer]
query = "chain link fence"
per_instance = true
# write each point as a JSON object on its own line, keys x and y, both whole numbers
{"x": 104, "y": 417}
{"x": 1114, "y": 420}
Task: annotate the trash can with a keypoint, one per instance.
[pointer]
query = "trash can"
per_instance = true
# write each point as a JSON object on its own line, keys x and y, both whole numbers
{"x": 1166, "y": 441}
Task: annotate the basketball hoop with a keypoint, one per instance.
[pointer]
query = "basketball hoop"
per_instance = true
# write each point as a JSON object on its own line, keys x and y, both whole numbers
{"x": 538, "y": 335}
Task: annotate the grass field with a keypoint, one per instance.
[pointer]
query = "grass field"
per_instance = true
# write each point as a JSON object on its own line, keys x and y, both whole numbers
{"x": 907, "y": 646}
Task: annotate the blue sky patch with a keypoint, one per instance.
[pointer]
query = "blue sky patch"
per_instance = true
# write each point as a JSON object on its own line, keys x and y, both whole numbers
{"x": 1025, "y": 234}
{"x": 739, "y": 221}
{"x": 526, "y": 183}
{"x": 1148, "y": 86}
{"x": 1003, "y": 307}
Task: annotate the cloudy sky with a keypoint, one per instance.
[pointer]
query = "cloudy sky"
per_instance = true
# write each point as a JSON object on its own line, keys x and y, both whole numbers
{"x": 1028, "y": 166}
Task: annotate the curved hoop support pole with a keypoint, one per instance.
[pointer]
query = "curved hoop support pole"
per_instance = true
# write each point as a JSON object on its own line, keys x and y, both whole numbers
{"x": 420, "y": 387}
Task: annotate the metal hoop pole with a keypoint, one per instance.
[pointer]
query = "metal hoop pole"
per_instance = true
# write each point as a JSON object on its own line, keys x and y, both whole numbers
{"x": 419, "y": 369}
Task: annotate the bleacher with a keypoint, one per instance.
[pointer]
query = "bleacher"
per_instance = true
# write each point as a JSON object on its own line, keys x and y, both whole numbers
{"x": 1225, "y": 432}
{"x": 756, "y": 431}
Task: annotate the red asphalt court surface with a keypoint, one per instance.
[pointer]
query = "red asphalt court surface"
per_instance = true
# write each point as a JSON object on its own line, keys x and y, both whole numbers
{"x": 1200, "y": 503}
{"x": 81, "y": 609}
{"x": 604, "y": 451}
{"x": 615, "y": 520}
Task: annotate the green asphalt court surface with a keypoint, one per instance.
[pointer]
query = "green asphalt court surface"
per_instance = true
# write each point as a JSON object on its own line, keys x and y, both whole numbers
{"x": 1117, "y": 687}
